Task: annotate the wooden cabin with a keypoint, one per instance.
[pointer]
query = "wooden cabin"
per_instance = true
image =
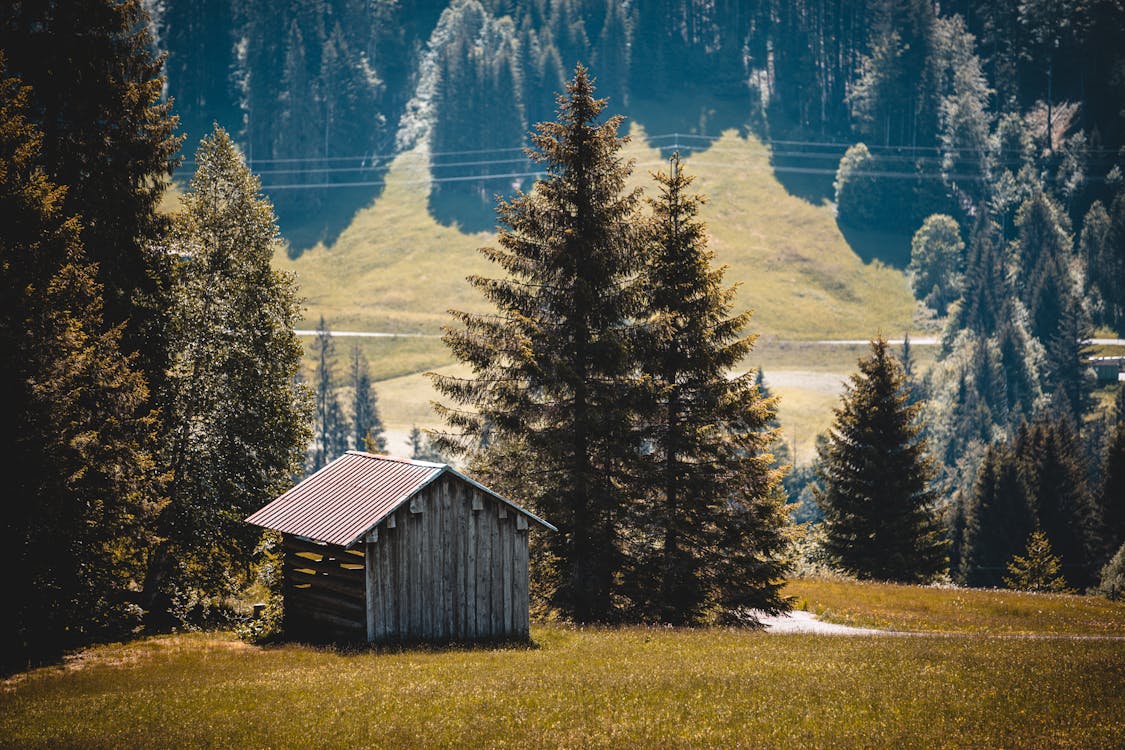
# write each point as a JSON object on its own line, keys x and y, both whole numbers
{"x": 384, "y": 549}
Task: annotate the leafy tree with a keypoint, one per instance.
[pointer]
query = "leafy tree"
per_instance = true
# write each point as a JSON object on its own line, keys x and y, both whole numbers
{"x": 330, "y": 427}
{"x": 367, "y": 428}
{"x": 998, "y": 518}
{"x": 858, "y": 196}
{"x": 109, "y": 137}
{"x": 77, "y": 454}
{"x": 876, "y": 479}
{"x": 936, "y": 259}
{"x": 1112, "y": 581}
{"x": 551, "y": 369}
{"x": 713, "y": 501}
{"x": 1037, "y": 569}
{"x": 239, "y": 421}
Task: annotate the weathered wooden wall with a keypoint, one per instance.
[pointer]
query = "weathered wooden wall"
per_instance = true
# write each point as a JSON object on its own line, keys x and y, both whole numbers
{"x": 449, "y": 565}
{"x": 324, "y": 591}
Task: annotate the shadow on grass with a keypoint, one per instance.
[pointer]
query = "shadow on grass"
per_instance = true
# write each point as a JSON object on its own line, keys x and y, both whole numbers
{"x": 805, "y": 173}
{"x": 469, "y": 206}
{"x": 308, "y": 216}
{"x": 692, "y": 121}
{"x": 887, "y": 247}
{"x": 351, "y": 648}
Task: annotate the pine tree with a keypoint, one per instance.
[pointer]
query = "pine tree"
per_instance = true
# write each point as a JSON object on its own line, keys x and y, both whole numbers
{"x": 1112, "y": 502}
{"x": 1092, "y": 250}
{"x": 1067, "y": 371}
{"x": 879, "y": 505}
{"x": 422, "y": 448}
{"x": 986, "y": 284}
{"x": 109, "y": 137}
{"x": 1042, "y": 250}
{"x": 330, "y": 428}
{"x": 76, "y": 454}
{"x": 367, "y": 428}
{"x": 713, "y": 500}
{"x": 997, "y": 518}
{"x": 551, "y": 370}
{"x": 1053, "y": 469}
{"x": 239, "y": 422}
{"x": 1037, "y": 569}
{"x": 1113, "y": 265}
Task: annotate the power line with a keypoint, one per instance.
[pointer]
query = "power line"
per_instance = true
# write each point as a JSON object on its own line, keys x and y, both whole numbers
{"x": 838, "y": 145}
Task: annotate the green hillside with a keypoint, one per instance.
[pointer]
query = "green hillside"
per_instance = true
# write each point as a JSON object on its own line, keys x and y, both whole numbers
{"x": 396, "y": 269}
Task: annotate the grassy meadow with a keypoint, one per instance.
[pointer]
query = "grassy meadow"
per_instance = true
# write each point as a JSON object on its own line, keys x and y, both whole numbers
{"x": 580, "y": 687}
{"x": 889, "y": 606}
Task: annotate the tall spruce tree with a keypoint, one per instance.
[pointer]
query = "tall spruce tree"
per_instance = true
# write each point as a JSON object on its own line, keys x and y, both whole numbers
{"x": 109, "y": 137}
{"x": 713, "y": 502}
{"x": 1042, "y": 251}
{"x": 552, "y": 376}
{"x": 367, "y": 428}
{"x": 76, "y": 454}
{"x": 239, "y": 421}
{"x": 1067, "y": 373}
{"x": 1113, "y": 478}
{"x": 876, "y": 479}
{"x": 330, "y": 426}
{"x": 1053, "y": 469}
{"x": 998, "y": 518}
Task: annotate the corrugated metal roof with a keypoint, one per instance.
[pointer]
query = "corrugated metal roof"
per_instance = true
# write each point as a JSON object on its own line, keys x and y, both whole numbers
{"x": 349, "y": 496}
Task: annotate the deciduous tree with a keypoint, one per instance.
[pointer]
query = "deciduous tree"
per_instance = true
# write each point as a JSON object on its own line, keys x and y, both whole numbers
{"x": 239, "y": 421}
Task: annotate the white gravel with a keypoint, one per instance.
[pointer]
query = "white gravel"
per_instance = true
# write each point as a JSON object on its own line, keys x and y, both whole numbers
{"x": 799, "y": 621}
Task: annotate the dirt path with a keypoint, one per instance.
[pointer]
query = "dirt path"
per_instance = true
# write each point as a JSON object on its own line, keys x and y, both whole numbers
{"x": 799, "y": 621}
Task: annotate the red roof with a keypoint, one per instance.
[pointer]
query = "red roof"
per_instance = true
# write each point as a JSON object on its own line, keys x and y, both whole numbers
{"x": 344, "y": 500}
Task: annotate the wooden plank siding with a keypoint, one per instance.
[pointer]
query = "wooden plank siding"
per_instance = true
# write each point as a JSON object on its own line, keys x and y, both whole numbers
{"x": 446, "y": 571}
{"x": 449, "y": 565}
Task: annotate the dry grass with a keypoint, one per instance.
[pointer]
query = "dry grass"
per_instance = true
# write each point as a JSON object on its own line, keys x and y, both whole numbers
{"x": 945, "y": 610}
{"x": 627, "y": 688}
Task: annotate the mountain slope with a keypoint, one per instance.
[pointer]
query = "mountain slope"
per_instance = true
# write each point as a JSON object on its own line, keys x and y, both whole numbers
{"x": 395, "y": 269}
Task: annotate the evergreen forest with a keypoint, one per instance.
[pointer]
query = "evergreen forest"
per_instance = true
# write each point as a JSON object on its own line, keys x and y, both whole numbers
{"x": 159, "y": 160}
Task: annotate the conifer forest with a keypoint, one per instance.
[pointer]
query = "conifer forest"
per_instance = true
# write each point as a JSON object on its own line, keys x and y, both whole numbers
{"x": 165, "y": 165}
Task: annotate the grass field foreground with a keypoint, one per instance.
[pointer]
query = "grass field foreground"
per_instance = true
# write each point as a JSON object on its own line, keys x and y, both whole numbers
{"x": 628, "y": 687}
{"x": 889, "y": 606}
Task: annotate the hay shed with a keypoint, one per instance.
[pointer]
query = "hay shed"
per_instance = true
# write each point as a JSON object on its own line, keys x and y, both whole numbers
{"x": 382, "y": 549}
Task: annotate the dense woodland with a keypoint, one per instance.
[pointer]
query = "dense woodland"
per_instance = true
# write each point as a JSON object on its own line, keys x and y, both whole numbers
{"x": 153, "y": 374}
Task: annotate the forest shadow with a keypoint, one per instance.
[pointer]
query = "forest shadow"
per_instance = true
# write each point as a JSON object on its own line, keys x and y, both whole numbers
{"x": 808, "y": 174}
{"x": 693, "y": 122}
{"x": 888, "y": 247}
{"x": 308, "y": 216}
{"x": 469, "y": 206}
